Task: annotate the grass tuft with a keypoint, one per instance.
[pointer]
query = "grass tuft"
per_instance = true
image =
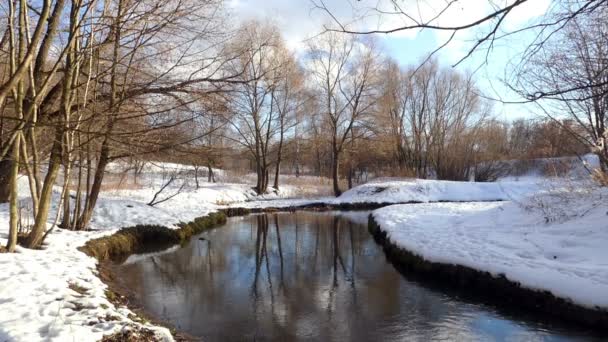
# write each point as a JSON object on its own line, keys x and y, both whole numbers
{"x": 131, "y": 240}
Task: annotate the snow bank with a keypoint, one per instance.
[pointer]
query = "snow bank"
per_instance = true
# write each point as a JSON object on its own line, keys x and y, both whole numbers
{"x": 567, "y": 258}
{"x": 399, "y": 190}
{"x": 55, "y": 295}
{"x": 421, "y": 190}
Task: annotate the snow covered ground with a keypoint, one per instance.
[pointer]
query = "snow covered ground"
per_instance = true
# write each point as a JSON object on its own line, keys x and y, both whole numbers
{"x": 422, "y": 190}
{"x": 55, "y": 295}
{"x": 395, "y": 190}
{"x": 554, "y": 241}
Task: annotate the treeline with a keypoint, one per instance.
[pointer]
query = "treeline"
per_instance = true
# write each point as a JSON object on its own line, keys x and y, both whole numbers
{"x": 84, "y": 83}
{"x": 344, "y": 110}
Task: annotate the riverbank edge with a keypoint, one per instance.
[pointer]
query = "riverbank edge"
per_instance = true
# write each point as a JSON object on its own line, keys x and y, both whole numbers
{"x": 116, "y": 247}
{"x": 484, "y": 283}
{"x": 107, "y": 249}
{"x": 327, "y": 206}
{"x": 130, "y": 240}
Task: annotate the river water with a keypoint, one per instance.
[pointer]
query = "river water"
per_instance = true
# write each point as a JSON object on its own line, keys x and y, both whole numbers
{"x": 312, "y": 276}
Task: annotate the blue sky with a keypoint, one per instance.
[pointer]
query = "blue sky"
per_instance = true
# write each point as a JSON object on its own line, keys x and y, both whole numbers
{"x": 298, "y": 20}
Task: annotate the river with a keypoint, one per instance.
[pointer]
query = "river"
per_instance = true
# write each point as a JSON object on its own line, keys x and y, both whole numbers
{"x": 312, "y": 276}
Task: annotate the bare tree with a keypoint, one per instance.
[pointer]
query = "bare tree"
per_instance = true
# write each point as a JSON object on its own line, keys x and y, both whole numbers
{"x": 289, "y": 98}
{"x": 259, "y": 110}
{"x": 430, "y": 116}
{"x": 345, "y": 71}
{"x": 571, "y": 73}
{"x": 97, "y": 81}
{"x": 391, "y": 16}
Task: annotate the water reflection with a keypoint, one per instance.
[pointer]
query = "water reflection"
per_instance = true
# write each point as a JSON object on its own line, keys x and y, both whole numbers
{"x": 306, "y": 276}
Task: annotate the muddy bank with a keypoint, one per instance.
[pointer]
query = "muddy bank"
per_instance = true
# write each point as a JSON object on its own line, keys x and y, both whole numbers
{"x": 320, "y": 206}
{"x": 495, "y": 289}
{"x": 325, "y": 206}
{"x": 143, "y": 238}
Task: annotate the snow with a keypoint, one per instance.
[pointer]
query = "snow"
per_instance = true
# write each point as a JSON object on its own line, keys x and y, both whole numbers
{"x": 38, "y": 304}
{"x": 36, "y": 301}
{"x": 403, "y": 190}
{"x": 562, "y": 251}
{"x": 422, "y": 190}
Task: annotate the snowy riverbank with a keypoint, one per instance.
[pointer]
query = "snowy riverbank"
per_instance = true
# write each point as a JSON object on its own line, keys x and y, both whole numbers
{"x": 55, "y": 294}
{"x": 552, "y": 242}
{"x": 394, "y": 191}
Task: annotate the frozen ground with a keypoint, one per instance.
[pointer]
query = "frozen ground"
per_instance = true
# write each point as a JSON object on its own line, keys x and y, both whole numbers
{"x": 393, "y": 190}
{"x": 55, "y": 295}
{"x": 554, "y": 241}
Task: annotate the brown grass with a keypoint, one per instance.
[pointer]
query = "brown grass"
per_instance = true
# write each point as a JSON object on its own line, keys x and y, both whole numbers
{"x": 600, "y": 176}
{"x": 134, "y": 239}
{"x": 131, "y": 335}
{"x": 79, "y": 289}
{"x": 557, "y": 168}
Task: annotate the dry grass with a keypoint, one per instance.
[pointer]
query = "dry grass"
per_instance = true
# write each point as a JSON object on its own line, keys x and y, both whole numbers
{"x": 78, "y": 289}
{"x": 557, "y": 168}
{"x": 131, "y": 334}
{"x": 133, "y": 239}
{"x": 305, "y": 186}
{"x": 600, "y": 177}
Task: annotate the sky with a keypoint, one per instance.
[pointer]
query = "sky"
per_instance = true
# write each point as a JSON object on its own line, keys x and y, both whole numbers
{"x": 299, "y": 20}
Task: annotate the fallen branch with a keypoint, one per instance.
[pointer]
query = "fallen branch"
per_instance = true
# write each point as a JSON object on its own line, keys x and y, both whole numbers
{"x": 154, "y": 200}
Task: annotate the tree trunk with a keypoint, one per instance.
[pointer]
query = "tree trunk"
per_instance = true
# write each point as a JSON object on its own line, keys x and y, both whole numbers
{"x": 260, "y": 178}
{"x": 264, "y": 179}
{"x": 39, "y": 228}
{"x": 13, "y": 209}
{"x": 210, "y": 175}
{"x": 277, "y": 170}
{"x": 297, "y": 157}
{"x": 278, "y": 167}
{"x": 65, "y": 220}
{"x": 87, "y": 213}
{"x": 196, "y": 177}
{"x": 78, "y": 199}
{"x": 6, "y": 166}
{"x": 30, "y": 175}
{"x": 335, "y": 170}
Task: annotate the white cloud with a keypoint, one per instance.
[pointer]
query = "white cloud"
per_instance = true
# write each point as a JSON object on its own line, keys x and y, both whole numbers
{"x": 298, "y": 20}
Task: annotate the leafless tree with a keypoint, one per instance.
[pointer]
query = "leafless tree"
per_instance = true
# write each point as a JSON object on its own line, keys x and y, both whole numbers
{"x": 570, "y": 76}
{"x": 393, "y": 16}
{"x": 346, "y": 73}
{"x": 259, "y": 103}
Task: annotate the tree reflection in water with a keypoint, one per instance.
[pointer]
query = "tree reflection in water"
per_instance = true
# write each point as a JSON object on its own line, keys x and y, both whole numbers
{"x": 320, "y": 276}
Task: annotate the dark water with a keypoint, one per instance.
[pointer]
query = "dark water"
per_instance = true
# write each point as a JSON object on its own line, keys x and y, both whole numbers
{"x": 310, "y": 276}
